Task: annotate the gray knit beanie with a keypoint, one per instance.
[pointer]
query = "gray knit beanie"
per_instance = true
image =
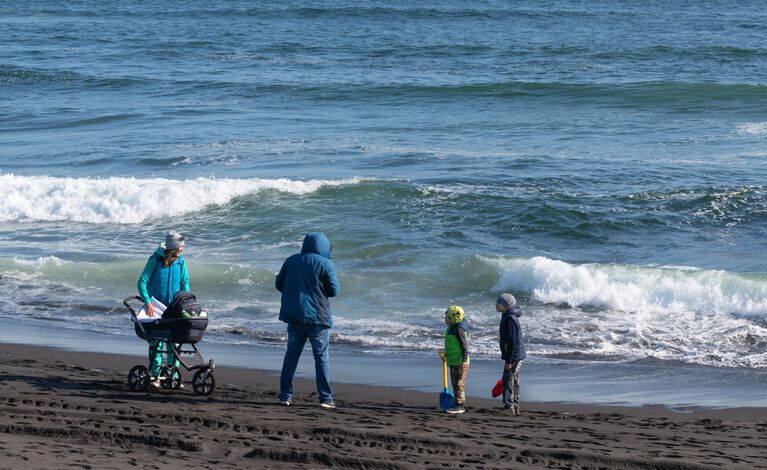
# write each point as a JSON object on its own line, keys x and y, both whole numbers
{"x": 506, "y": 301}
{"x": 173, "y": 240}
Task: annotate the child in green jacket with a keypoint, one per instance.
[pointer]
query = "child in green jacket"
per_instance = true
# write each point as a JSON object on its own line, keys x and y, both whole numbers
{"x": 457, "y": 355}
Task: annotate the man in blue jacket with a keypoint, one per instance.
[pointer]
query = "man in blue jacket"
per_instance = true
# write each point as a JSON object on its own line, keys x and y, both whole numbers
{"x": 306, "y": 280}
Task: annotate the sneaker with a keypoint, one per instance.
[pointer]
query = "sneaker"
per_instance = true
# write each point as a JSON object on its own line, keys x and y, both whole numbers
{"x": 328, "y": 405}
{"x": 155, "y": 383}
{"x": 285, "y": 402}
{"x": 455, "y": 410}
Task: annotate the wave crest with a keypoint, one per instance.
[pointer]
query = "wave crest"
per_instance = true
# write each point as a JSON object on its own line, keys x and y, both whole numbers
{"x": 130, "y": 200}
{"x": 628, "y": 288}
{"x": 670, "y": 313}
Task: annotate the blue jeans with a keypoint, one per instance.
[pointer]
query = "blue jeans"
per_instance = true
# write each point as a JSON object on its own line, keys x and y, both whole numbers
{"x": 319, "y": 337}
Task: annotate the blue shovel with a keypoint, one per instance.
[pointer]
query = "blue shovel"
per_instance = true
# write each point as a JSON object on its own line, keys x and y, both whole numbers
{"x": 445, "y": 397}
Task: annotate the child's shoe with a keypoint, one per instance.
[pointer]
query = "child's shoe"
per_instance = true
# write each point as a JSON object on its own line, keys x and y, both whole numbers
{"x": 155, "y": 383}
{"x": 456, "y": 409}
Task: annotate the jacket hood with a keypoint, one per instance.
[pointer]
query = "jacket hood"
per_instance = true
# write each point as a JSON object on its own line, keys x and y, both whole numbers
{"x": 461, "y": 324}
{"x": 516, "y": 311}
{"x": 316, "y": 242}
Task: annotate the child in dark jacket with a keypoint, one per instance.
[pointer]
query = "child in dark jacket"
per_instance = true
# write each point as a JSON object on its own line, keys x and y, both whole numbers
{"x": 457, "y": 355}
{"x": 512, "y": 350}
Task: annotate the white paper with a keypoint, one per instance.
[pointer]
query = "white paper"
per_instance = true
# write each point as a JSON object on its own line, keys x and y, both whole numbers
{"x": 159, "y": 308}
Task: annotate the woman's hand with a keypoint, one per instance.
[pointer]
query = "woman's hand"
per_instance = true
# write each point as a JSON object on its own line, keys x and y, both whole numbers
{"x": 149, "y": 309}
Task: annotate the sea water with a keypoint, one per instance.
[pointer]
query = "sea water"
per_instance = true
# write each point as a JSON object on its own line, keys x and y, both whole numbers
{"x": 603, "y": 161}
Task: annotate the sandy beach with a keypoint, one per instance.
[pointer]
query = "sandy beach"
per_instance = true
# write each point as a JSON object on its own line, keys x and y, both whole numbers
{"x": 73, "y": 410}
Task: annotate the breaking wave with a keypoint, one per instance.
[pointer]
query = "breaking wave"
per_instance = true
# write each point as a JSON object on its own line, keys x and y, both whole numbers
{"x": 679, "y": 313}
{"x": 627, "y": 288}
{"x": 130, "y": 200}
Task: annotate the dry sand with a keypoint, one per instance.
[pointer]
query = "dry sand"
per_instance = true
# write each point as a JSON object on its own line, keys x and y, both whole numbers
{"x": 73, "y": 410}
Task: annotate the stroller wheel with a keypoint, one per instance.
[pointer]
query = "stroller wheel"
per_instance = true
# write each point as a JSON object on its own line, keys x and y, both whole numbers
{"x": 203, "y": 382}
{"x": 138, "y": 378}
{"x": 172, "y": 379}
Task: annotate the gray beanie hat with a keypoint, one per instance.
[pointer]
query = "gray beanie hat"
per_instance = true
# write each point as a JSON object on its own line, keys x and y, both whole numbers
{"x": 506, "y": 301}
{"x": 173, "y": 240}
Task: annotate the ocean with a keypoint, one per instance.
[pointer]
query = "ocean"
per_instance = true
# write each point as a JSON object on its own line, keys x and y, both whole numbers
{"x": 603, "y": 161}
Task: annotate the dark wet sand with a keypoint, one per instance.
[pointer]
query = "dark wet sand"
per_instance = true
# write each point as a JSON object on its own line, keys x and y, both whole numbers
{"x": 73, "y": 410}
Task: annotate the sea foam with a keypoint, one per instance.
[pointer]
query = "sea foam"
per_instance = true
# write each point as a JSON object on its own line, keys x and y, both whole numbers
{"x": 629, "y": 288}
{"x": 129, "y": 200}
{"x": 752, "y": 128}
{"x": 40, "y": 261}
{"x": 692, "y": 315}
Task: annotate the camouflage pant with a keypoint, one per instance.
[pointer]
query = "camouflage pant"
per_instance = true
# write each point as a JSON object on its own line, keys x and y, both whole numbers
{"x": 510, "y": 381}
{"x": 458, "y": 378}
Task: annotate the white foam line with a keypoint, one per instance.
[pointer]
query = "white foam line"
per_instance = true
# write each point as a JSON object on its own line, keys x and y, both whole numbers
{"x": 628, "y": 288}
{"x": 672, "y": 313}
{"x": 752, "y": 128}
{"x": 41, "y": 261}
{"x": 130, "y": 200}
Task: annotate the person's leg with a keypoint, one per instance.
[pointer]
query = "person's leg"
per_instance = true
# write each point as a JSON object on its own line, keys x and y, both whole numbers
{"x": 155, "y": 357}
{"x": 320, "y": 340}
{"x": 172, "y": 361}
{"x": 454, "y": 377}
{"x": 507, "y": 391}
{"x": 459, "y": 386}
{"x": 296, "y": 341}
{"x": 458, "y": 380}
{"x": 515, "y": 367}
{"x": 176, "y": 363}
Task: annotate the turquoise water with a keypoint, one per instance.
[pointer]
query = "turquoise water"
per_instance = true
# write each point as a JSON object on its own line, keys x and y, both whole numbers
{"x": 603, "y": 161}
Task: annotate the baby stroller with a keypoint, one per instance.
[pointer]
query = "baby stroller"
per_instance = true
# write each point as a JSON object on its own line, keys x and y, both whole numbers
{"x": 173, "y": 331}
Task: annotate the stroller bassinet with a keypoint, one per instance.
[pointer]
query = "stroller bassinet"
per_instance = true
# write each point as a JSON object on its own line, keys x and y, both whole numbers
{"x": 179, "y": 330}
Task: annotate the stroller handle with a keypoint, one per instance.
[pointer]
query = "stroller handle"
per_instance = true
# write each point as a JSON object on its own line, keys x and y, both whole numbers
{"x": 133, "y": 313}
{"x": 126, "y": 302}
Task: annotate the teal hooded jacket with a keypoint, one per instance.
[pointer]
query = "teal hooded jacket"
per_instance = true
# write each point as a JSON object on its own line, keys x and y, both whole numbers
{"x": 160, "y": 282}
{"x": 306, "y": 281}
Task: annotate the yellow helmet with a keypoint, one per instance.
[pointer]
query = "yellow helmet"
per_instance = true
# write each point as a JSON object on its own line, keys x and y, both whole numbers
{"x": 454, "y": 314}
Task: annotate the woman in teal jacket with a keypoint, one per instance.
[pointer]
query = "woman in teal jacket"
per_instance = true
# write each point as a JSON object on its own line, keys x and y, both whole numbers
{"x": 164, "y": 274}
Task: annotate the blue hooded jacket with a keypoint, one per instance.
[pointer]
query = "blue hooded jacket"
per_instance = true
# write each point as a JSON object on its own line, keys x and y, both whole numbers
{"x": 160, "y": 282}
{"x": 512, "y": 347}
{"x": 306, "y": 280}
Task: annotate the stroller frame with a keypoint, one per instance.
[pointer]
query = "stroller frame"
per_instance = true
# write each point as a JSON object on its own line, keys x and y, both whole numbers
{"x": 203, "y": 381}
